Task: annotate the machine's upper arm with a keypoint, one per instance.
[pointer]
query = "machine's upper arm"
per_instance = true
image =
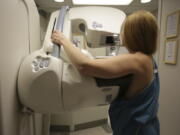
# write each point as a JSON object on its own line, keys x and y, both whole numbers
{"x": 113, "y": 67}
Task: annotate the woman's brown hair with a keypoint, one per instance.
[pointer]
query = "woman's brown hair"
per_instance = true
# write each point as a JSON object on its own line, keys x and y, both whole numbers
{"x": 140, "y": 32}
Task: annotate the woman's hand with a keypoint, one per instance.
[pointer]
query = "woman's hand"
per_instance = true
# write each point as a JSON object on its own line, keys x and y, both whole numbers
{"x": 58, "y": 38}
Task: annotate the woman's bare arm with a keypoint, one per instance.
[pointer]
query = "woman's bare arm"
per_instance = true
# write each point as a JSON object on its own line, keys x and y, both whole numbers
{"x": 113, "y": 67}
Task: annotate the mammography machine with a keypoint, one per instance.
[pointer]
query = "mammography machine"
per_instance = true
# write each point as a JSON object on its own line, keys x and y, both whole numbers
{"x": 49, "y": 83}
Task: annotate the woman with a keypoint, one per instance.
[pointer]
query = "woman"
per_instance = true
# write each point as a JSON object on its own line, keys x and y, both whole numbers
{"x": 134, "y": 113}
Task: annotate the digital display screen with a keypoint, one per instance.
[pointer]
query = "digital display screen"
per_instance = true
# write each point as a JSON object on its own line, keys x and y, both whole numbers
{"x": 109, "y": 40}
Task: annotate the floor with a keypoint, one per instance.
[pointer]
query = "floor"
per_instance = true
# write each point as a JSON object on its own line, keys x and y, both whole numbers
{"x": 101, "y": 130}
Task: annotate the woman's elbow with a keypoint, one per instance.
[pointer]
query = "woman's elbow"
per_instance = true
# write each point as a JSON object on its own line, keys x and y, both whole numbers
{"x": 83, "y": 70}
{"x": 87, "y": 68}
{"x": 82, "y": 67}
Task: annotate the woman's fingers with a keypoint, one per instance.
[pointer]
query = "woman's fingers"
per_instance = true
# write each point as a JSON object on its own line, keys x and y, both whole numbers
{"x": 55, "y": 31}
{"x": 57, "y": 37}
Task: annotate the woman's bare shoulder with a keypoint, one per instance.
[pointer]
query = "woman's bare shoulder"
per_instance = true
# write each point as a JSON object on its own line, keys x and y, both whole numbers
{"x": 142, "y": 61}
{"x": 138, "y": 58}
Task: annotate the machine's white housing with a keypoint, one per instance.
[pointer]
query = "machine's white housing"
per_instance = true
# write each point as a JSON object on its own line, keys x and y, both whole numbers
{"x": 48, "y": 84}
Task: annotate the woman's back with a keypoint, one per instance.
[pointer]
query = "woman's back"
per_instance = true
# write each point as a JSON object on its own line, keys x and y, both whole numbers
{"x": 138, "y": 115}
{"x": 142, "y": 78}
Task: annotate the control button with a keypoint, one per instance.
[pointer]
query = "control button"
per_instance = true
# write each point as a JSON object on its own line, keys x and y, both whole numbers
{"x": 41, "y": 65}
{"x": 36, "y": 69}
{"x": 35, "y": 64}
{"x": 46, "y": 63}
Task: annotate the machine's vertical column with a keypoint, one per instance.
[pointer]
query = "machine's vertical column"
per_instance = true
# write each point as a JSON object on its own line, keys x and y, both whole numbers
{"x": 59, "y": 27}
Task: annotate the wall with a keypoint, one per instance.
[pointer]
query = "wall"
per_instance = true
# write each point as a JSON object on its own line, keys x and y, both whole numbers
{"x": 0, "y": 106}
{"x": 170, "y": 79}
{"x": 14, "y": 46}
{"x": 11, "y": 56}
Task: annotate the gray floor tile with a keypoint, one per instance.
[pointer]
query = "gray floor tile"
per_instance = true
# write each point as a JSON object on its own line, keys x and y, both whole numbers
{"x": 89, "y": 131}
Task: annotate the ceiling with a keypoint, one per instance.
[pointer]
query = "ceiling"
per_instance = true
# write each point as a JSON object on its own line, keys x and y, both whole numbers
{"x": 50, "y": 5}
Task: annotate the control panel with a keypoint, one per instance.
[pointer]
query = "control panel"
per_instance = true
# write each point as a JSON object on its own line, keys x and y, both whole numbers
{"x": 40, "y": 63}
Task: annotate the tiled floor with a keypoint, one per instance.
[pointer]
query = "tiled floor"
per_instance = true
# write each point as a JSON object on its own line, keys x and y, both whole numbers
{"x": 90, "y": 131}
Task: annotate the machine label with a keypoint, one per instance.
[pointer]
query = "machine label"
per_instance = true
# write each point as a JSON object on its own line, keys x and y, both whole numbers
{"x": 96, "y": 25}
{"x": 106, "y": 89}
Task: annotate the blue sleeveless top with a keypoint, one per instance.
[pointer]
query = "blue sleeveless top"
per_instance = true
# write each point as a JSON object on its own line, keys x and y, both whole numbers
{"x": 137, "y": 116}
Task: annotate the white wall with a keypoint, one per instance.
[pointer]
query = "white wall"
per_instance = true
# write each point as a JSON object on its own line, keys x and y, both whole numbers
{"x": 0, "y": 106}
{"x": 169, "y": 78}
{"x": 14, "y": 46}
